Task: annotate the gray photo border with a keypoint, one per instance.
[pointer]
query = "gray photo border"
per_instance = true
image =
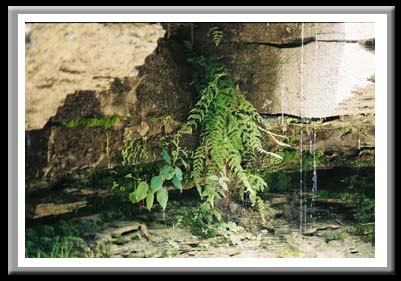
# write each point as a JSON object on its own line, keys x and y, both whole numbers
{"x": 13, "y": 128}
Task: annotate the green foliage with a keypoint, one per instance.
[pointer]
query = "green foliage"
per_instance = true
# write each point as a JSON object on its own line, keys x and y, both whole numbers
{"x": 177, "y": 183}
{"x": 203, "y": 221}
{"x": 150, "y": 198}
{"x": 365, "y": 231}
{"x": 345, "y": 130}
{"x": 290, "y": 161}
{"x": 140, "y": 193}
{"x": 152, "y": 117}
{"x": 61, "y": 249}
{"x": 333, "y": 236}
{"x": 167, "y": 172}
{"x": 321, "y": 193}
{"x": 140, "y": 183}
{"x": 363, "y": 161}
{"x": 261, "y": 208}
{"x": 133, "y": 152}
{"x": 156, "y": 183}
{"x": 230, "y": 132}
{"x": 69, "y": 123}
{"x": 104, "y": 123}
{"x": 360, "y": 193}
{"x": 120, "y": 240}
{"x": 60, "y": 240}
{"x": 278, "y": 181}
{"x": 166, "y": 254}
{"x": 206, "y": 222}
{"x": 162, "y": 197}
{"x": 363, "y": 131}
{"x": 365, "y": 212}
{"x": 216, "y": 35}
{"x": 169, "y": 175}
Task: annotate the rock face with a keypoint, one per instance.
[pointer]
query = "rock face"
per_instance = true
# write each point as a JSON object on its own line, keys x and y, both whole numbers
{"x": 64, "y": 58}
{"x": 266, "y": 61}
{"x": 148, "y": 100}
{"x": 79, "y": 75}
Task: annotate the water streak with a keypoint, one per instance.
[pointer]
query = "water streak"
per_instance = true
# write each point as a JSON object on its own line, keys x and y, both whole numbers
{"x": 301, "y": 186}
{"x": 282, "y": 107}
{"x": 313, "y": 146}
{"x": 282, "y": 96}
{"x": 314, "y": 177}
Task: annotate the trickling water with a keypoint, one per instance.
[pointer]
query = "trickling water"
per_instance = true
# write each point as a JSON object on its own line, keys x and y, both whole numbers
{"x": 301, "y": 186}
{"x": 314, "y": 177}
{"x": 282, "y": 109}
{"x": 300, "y": 183}
{"x": 164, "y": 215}
{"x": 359, "y": 139}
{"x": 305, "y": 216}
{"x": 313, "y": 145}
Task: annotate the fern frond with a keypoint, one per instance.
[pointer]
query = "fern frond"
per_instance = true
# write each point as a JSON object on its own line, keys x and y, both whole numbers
{"x": 230, "y": 131}
{"x": 216, "y": 35}
{"x": 261, "y": 208}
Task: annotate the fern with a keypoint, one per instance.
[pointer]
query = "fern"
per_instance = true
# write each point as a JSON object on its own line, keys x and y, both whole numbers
{"x": 261, "y": 208}
{"x": 230, "y": 131}
{"x": 133, "y": 152}
{"x": 216, "y": 35}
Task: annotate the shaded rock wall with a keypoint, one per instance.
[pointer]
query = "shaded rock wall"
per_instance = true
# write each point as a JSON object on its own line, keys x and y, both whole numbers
{"x": 81, "y": 71}
{"x": 266, "y": 61}
{"x": 150, "y": 101}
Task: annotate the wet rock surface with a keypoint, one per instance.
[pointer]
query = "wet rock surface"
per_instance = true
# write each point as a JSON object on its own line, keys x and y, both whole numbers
{"x": 122, "y": 239}
{"x": 336, "y": 63}
{"x": 134, "y": 232}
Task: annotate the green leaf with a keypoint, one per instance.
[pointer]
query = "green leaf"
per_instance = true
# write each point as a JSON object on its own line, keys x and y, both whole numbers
{"x": 132, "y": 197}
{"x": 167, "y": 172}
{"x": 166, "y": 157}
{"x": 141, "y": 191}
{"x": 213, "y": 178}
{"x": 174, "y": 153}
{"x": 184, "y": 163}
{"x": 223, "y": 185}
{"x": 149, "y": 200}
{"x": 156, "y": 183}
{"x": 224, "y": 178}
{"x": 177, "y": 183}
{"x": 162, "y": 197}
{"x": 178, "y": 173}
